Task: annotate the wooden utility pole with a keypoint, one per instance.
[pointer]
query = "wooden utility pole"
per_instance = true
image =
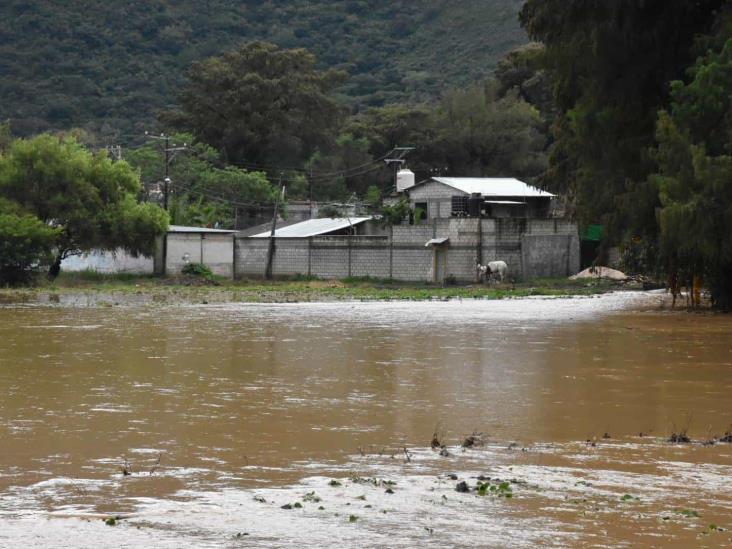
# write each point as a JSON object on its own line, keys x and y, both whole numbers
{"x": 270, "y": 248}
{"x": 167, "y": 150}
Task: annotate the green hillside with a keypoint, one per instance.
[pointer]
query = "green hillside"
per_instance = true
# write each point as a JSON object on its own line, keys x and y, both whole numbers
{"x": 110, "y": 66}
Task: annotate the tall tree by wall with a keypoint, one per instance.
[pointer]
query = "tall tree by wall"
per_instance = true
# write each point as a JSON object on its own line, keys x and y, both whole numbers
{"x": 89, "y": 199}
{"x": 694, "y": 180}
{"x": 611, "y": 64}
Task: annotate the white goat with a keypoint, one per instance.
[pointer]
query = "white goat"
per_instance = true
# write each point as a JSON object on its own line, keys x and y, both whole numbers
{"x": 498, "y": 268}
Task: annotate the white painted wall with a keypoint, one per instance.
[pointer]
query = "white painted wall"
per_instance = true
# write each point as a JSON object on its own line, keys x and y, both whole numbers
{"x": 108, "y": 262}
{"x": 215, "y": 250}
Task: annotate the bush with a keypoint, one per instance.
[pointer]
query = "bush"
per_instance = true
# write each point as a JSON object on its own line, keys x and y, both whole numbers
{"x": 26, "y": 245}
{"x": 197, "y": 269}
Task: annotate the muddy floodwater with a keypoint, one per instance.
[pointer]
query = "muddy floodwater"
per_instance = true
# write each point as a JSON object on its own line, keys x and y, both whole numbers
{"x": 310, "y": 424}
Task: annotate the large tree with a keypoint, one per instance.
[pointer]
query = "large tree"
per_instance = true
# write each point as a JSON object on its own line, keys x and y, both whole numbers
{"x": 90, "y": 200}
{"x": 694, "y": 180}
{"x": 260, "y": 105}
{"x": 611, "y": 62}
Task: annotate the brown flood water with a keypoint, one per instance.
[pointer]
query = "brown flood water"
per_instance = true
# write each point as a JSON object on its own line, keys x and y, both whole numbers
{"x": 213, "y": 405}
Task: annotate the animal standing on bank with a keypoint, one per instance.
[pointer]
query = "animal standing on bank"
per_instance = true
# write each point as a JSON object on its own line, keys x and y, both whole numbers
{"x": 493, "y": 269}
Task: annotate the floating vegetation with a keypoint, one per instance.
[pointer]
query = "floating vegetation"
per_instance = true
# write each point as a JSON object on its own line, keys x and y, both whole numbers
{"x": 476, "y": 439}
{"x": 462, "y": 487}
{"x": 688, "y": 513}
{"x": 679, "y": 438}
{"x": 502, "y": 489}
{"x": 352, "y": 518}
{"x": 372, "y": 481}
{"x": 311, "y": 497}
{"x": 334, "y": 483}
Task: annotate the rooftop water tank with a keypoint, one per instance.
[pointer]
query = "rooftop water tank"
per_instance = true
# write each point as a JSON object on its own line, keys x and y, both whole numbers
{"x": 404, "y": 180}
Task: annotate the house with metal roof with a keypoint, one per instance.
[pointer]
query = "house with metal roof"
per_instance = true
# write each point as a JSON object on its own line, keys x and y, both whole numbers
{"x": 490, "y": 197}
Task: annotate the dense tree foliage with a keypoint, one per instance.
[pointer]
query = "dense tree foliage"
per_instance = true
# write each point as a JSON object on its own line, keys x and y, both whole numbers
{"x": 204, "y": 191}
{"x": 25, "y": 244}
{"x": 694, "y": 157}
{"x": 87, "y": 197}
{"x": 611, "y": 64}
{"x": 110, "y": 66}
{"x": 261, "y": 105}
{"x": 661, "y": 183}
{"x": 474, "y": 131}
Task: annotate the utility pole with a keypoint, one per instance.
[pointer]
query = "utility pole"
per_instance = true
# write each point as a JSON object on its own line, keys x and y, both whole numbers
{"x": 270, "y": 248}
{"x": 169, "y": 153}
{"x": 310, "y": 191}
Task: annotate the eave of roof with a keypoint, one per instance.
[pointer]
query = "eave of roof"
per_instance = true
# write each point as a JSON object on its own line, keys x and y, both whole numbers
{"x": 314, "y": 227}
{"x": 183, "y": 229}
{"x": 490, "y": 186}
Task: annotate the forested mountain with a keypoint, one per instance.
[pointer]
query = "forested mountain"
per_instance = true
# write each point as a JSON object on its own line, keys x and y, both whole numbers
{"x": 110, "y": 66}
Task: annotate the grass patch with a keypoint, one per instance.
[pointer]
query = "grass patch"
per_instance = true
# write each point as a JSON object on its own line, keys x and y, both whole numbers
{"x": 194, "y": 288}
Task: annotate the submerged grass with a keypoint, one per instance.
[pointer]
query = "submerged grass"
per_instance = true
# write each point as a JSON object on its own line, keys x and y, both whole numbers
{"x": 188, "y": 288}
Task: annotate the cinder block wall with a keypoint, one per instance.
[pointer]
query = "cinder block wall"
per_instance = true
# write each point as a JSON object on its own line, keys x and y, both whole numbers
{"x": 530, "y": 248}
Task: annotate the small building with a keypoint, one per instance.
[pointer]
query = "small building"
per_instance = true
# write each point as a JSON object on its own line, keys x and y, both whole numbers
{"x": 489, "y": 197}
{"x": 183, "y": 245}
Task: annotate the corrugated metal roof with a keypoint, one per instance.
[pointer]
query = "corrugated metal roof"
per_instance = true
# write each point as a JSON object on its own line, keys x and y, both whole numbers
{"x": 493, "y": 186}
{"x": 314, "y": 227}
{"x": 182, "y": 229}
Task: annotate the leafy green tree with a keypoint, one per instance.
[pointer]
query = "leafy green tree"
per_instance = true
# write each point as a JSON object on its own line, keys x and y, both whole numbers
{"x": 26, "y": 244}
{"x": 261, "y": 105}
{"x": 473, "y": 131}
{"x": 199, "y": 179}
{"x": 395, "y": 214}
{"x": 694, "y": 181}
{"x": 89, "y": 199}
{"x": 479, "y": 133}
{"x": 611, "y": 63}
{"x": 345, "y": 168}
{"x": 373, "y": 196}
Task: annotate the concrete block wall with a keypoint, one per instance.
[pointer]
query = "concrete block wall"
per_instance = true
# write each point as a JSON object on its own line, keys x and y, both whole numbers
{"x": 412, "y": 263}
{"x": 531, "y": 248}
{"x": 547, "y": 256}
{"x": 371, "y": 257}
{"x": 290, "y": 257}
{"x": 328, "y": 257}
{"x": 250, "y": 256}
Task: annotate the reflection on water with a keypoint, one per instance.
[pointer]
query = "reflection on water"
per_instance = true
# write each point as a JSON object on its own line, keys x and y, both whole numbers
{"x": 212, "y": 399}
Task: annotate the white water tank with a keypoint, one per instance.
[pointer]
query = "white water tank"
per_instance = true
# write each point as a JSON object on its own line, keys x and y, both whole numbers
{"x": 404, "y": 180}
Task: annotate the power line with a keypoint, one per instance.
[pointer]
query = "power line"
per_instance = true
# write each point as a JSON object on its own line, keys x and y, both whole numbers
{"x": 218, "y": 198}
{"x": 309, "y": 171}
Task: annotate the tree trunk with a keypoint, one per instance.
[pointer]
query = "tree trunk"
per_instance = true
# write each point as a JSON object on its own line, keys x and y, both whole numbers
{"x": 55, "y": 268}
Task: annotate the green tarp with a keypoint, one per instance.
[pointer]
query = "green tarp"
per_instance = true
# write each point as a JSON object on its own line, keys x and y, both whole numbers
{"x": 592, "y": 232}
